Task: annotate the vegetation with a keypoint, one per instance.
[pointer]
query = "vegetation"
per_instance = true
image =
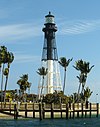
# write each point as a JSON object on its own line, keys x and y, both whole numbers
{"x": 87, "y": 93}
{"x": 42, "y": 72}
{"x": 84, "y": 69}
{"x": 24, "y": 84}
{"x": 6, "y": 58}
{"x": 56, "y": 97}
{"x": 64, "y": 63}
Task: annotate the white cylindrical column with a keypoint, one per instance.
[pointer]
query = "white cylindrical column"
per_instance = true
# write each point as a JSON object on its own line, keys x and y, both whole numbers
{"x": 50, "y": 76}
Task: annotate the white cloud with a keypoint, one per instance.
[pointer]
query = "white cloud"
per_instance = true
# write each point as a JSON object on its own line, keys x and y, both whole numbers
{"x": 30, "y": 30}
{"x": 78, "y": 27}
{"x": 19, "y": 31}
{"x": 23, "y": 58}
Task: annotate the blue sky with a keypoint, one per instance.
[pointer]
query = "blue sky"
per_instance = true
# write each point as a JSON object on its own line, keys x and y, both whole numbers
{"x": 78, "y": 36}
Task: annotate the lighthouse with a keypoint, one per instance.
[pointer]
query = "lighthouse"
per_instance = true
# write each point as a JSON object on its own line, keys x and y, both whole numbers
{"x": 50, "y": 57}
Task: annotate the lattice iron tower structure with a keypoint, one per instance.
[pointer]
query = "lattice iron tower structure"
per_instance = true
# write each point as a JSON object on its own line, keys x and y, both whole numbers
{"x": 50, "y": 58}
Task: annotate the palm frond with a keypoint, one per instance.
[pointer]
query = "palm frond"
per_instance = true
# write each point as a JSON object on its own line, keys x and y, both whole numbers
{"x": 42, "y": 71}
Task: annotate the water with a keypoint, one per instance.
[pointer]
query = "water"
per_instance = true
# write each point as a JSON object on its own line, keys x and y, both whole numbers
{"x": 81, "y": 122}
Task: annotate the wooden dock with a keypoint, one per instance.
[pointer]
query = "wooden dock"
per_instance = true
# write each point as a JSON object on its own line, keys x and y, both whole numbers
{"x": 41, "y": 111}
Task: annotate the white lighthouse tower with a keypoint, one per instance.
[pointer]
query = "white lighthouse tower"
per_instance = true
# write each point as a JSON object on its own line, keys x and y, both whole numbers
{"x": 50, "y": 58}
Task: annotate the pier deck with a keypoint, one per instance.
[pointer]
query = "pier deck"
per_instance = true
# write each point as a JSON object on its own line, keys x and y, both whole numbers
{"x": 38, "y": 110}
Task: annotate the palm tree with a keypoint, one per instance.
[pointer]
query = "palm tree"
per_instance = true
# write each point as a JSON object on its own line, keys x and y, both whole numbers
{"x": 64, "y": 63}
{"x": 10, "y": 58}
{"x": 23, "y": 83}
{"x": 84, "y": 69}
{"x": 87, "y": 93}
{"x": 42, "y": 72}
{"x": 3, "y": 61}
{"x": 82, "y": 80}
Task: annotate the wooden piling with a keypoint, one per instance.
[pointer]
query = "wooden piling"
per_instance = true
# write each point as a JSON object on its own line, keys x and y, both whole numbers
{"x": 43, "y": 110}
{"x": 40, "y": 111}
{"x": 70, "y": 107}
{"x": 73, "y": 106}
{"x": 85, "y": 114}
{"x": 52, "y": 116}
{"x": 82, "y": 109}
{"x": 86, "y": 104}
{"x": 97, "y": 109}
{"x": 10, "y": 107}
{"x": 61, "y": 109}
{"x": 33, "y": 111}
{"x": 77, "y": 114}
{"x": 77, "y": 108}
{"x": 90, "y": 110}
{"x": 26, "y": 110}
{"x": 67, "y": 111}
{"x": 15, "y": 112}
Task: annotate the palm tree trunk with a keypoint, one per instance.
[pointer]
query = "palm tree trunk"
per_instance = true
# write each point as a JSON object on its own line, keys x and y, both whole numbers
{"x": 64, "y": 81}
{"x": 42, "y": 85}
{"x": 83, "y": 85}
{"x": 5, "y": 88}
{"x": 2, "y": 84}
{"x": 28, "y": 90}
{"x": 79, "y": 88}
{"x": 6, "y": 85}
{"x": 79, "y": 92}
{"x": 41, "y": 92}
